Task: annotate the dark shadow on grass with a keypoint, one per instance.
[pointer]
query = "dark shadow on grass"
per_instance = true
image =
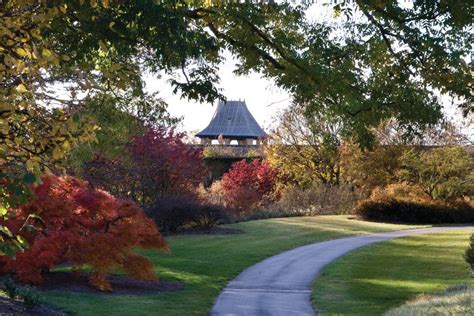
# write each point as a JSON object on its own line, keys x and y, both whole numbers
{"x": 121, "y": 285}
{"x": 211, "y": 231}
{"x": 366, "y": 282}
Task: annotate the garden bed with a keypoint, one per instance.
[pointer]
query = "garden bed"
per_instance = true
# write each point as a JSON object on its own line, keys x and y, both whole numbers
{"x": 121, "y": 285}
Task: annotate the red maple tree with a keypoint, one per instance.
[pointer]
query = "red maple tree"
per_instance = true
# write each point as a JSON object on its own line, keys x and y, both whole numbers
{"x": 159, "y": 164}
{"x": 245, "y": 184}
{"x": 68, "y": 222}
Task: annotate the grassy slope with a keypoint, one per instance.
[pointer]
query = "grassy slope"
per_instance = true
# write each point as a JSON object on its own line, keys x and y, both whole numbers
{"x": 205, "y": 263}
{"x": 371, "y": 280}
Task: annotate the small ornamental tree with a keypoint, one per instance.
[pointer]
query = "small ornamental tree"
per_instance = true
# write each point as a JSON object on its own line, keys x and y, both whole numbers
{"x": 159, "y": 164}
{"x": 166, "y": 165}
{"x": 67, "y": 222}
{"x": 369, "y": 169}
{"x": 245, "y": 184}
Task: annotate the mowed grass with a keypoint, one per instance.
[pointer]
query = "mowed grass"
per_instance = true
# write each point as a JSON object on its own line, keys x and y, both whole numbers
{"x": 373, "y": 279}
{"x": 206, "y": 263}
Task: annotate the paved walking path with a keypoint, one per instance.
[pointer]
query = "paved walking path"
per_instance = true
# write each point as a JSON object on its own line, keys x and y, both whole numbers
{"x": 281, "y": 285}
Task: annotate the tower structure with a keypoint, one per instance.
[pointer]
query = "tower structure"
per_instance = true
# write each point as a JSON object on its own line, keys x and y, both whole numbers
{"x": 232, "y": 121}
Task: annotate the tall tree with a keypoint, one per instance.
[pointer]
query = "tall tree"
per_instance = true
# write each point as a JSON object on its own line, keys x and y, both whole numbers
{"x": 445, "y": 133}
{"x": 121, "y": 117}
{"x": 305, "y": 149}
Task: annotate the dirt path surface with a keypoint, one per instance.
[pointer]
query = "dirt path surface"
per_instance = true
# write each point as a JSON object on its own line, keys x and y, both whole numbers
{"x": 281, "y": 285}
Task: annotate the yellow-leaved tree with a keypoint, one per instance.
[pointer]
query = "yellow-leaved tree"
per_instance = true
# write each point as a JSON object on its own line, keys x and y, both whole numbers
{"x": 38, "y": 125}
{"x": 306, "y": 148}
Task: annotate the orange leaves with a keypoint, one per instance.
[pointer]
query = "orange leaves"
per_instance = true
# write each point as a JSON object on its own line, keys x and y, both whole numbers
{"x": 99, "y": 281}
{"x": 139, "y": 267}
{"x": 146, "y": 229}
{"x": 83, "y": 226}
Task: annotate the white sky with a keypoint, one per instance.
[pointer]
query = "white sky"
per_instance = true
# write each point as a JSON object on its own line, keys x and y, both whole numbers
{"x": 262, "y": 96}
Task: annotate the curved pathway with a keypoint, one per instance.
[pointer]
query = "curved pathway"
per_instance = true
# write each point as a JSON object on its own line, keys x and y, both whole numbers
{"x": 281, "y": 285}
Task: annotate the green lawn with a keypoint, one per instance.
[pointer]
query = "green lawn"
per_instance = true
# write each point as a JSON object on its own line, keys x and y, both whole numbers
{"x": 373, "y": 279}
{"x": 205, "y": 263}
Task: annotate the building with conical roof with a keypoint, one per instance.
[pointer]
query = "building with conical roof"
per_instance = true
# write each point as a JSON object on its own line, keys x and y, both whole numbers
{"x": 232, "y": 121}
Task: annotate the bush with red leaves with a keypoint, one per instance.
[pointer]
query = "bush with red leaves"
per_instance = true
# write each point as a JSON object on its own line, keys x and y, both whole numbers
{"x": 67, "y": 222}
{"x": 245, "y": 184}
{"x": 160, "y": 164}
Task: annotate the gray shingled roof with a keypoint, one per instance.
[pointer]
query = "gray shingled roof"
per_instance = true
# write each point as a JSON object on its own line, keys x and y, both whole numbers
{"x": 233, "y": 119}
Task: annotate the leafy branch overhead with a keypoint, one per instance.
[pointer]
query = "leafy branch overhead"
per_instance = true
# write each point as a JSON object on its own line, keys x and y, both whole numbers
{"x": 381, "y": 61}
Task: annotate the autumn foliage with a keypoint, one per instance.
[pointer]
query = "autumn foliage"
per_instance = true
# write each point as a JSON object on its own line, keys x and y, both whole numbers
{"x": 67, "y": 222}
{"x": 158, "y": 164}
{"x": 246, "y": 184}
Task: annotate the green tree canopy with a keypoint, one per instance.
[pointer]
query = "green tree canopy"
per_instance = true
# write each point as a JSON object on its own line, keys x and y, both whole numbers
{"x": 379, "y": 59}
